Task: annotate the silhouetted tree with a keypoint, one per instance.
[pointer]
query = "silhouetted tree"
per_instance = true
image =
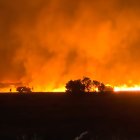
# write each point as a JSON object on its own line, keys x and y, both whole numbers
{"x": 101, "y": 87}
{"x": 95, "y": 84}
{"x": 98, "y": 85}
{"x": 75, "y": 86}
{"x": 23, "y": 89}
{"x": 88, "y": 84}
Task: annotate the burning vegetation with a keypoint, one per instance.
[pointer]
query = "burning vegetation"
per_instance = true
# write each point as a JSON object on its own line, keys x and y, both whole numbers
{"x": 44, "y": 43}
{"x": 86, "y": 85}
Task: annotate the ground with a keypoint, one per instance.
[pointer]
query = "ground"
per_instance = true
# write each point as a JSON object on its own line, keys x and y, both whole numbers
{"x": 58, "y": 116}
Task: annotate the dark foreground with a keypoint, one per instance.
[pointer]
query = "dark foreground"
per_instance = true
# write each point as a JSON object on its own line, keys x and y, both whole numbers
{"x": 64, "y": 117}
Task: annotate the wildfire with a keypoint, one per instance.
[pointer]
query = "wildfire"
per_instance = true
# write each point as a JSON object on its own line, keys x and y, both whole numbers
{"x": 47, "y": 89}
{"x": 61, "y": 89}
{"x": 120, "y": 88}
{"x": 115, "y": 89}
{"x": 127, "y": 88}
{"x": 8, "y": 89}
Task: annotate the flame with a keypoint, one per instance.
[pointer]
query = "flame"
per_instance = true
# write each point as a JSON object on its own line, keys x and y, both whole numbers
{"x": 61, "y": 89}
{"x": 127, "y": 88}
{"x": 50, "y": 42}
{"x": 116, "y": 88}
{"x": 10, "y": 89}
{"x": 120, "y": 88}
{"x": 48, "y": 89}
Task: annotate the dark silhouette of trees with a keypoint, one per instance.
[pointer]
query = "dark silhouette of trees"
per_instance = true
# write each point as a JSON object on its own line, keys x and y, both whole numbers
{"x": 96, "y": 83}
{"x": 98, "y": 86}
{"x": 75, "y": 86}
{"x": 101, "y": 87}
{"x": 23, "y": 89}
{"x": 88, "y": 84}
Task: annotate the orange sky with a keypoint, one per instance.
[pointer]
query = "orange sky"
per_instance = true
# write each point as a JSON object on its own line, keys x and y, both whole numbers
{"x": 45, "y": 43}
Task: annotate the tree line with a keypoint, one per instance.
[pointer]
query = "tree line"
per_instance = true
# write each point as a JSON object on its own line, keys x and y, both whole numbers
{"x": 86, "y": 85}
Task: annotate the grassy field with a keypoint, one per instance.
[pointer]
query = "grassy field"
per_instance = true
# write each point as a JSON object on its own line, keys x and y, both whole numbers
{"x": 57, "y": 116}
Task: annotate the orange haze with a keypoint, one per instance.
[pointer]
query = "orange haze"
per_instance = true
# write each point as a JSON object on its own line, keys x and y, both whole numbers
{"x": 45, "y": 43}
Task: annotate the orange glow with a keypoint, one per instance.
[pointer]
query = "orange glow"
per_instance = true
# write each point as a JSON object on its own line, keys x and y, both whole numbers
{"x": 49, "y": 89}
{"x": 7, "y": 89}
{"x": 49, "y": 43}
{"x": 127, "y": 88}
{"x": 62, "y": 89}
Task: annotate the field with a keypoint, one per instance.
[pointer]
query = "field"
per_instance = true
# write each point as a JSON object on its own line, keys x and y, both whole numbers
{"x": 57, "y": 116}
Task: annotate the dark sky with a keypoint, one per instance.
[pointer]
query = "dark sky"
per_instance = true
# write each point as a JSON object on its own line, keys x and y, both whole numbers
{"x": 48, "y": 42}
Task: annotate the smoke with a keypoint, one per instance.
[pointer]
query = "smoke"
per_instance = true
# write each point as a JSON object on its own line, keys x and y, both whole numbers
{"x": 48, "y": 42}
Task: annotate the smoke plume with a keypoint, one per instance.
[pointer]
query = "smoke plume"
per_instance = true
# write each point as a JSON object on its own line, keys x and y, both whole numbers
{"x": 45, "y": 43}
